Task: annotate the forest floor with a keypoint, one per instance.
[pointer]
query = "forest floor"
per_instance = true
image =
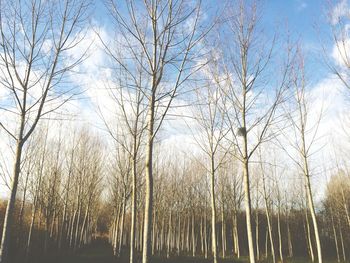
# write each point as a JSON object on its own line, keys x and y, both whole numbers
{"x": 101, "y": 252}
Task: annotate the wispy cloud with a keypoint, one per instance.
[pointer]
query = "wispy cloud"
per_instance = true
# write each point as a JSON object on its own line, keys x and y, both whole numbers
{"x": 301, "y": 5}
{"x": 339, "y": 11}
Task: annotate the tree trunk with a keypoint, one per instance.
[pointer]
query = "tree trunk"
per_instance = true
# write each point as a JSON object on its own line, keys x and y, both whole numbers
{"x": 169, "y": 235}
{"x": 335, "y": 237}
{"x": 257, "y": 232}
{"x": 76, "y": 235}
{"x": 31, "y": 228}
{"x": 345, "y": 206}
{"x": 193, "y": 236}
{"x": 21, "y": 212}
{"x": 341, "y": 240}
{"x": 279, "y": 232}
{"x": 266, "y": 243}
{"x": 149, "y": 181}
{"x": 154, "y": 234}
{"x": 8, "y": 219}
{"x": 267, "y": 211}
{"x": 308, "y": 237}
{"x": 202, "y": 235}
{"x": 121, "y": 233}
{"x": 179, "y": 234}
{"x": 223, "y": 232}
{"x": 310, "y": 198}
{"x": 235, "y": 234}
{"x": 289, "y": 236}
{"x": 213, "y": 212}
{"x": 313, "y": 215}
{"x": 248, "y": 204}
{"x": 133, "y": 201}
{"x": 205, "y": 235}
{"x": 116, "y": 232}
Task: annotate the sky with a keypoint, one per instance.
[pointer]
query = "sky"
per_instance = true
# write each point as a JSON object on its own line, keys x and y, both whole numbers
{"x": 306, "y": 21}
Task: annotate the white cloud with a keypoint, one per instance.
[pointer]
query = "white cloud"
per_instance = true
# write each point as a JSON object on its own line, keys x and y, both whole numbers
{"x": 339, "y": 11}
{"x": 340, "y": 53}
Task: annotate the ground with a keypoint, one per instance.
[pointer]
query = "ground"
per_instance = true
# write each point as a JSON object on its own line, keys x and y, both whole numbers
{"x": 101, "y": 252}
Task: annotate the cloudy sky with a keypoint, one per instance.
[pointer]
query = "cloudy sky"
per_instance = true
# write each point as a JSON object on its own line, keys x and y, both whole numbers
{"x": 306, "y": 20}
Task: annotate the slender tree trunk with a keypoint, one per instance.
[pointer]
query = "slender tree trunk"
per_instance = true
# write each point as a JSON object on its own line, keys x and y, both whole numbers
{"x": 313, "y": 214}
{"x": 205, "y": 235}
{"x": 116, "y": 231}
{"x": 267, "y": 212}
{"x": 149, "y": 179}
{"x": 169, "y": 235}
{"x": 179, "y": 234}
{"x": 309, "y": 196}
{"x": 133, "y": 201}
{"x": 71, "y": 232}
{"x": 289, "y": 236}
{"x": 154, "y": 233}
{"x": 193, "y": 236}
{"x": 202, "y": 235}
{"x": 31, "y": 228}
{"x": 76, "y": 235}
{"x": 279, "y": 232}
{"x": 21, "y": 212}
{"x": 121, "y": 233}
{"x": 257, "y": 233}
{"x": 341, "y": 239}
{"x": 223, "y": 233}
{"x": 188, "y": 244}
{"x": 345, "y": 205}
{"x": 84, "y": 225}
{"x": 335, "y": 237}
{"x": 266, "y": 243}
{"x": 237, "y": 250}
{"x": 213, "y": 212}
{"x": 8, "y": 220}
{"x": 248, "y": 204}
{"x": 35, "y": 202}
{"x": 309, "y": 241}
{"x": 64, "y": 216}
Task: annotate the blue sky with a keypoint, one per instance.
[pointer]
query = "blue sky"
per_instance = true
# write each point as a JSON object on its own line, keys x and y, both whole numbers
{"x": 307, "y": 21}
{"x": 303, "y": 18}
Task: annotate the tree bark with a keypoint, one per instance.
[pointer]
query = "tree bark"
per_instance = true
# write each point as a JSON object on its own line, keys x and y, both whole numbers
{"x": 341, "y": 240}
{"x": 149, "y": 182}
{"x": 289, "y": 236}
{"x": 133, "y": 199}
{"x": 248, "y": 203}
{"x": 279, "y": 232}
{"x": 6, "y": 233}
{"x": 308, "y": 237}
{"x": 267, "y": 212}
{"x": 335, "y": 237}
{"x": 313, "y": 214}
{"x": 213, "y": 212}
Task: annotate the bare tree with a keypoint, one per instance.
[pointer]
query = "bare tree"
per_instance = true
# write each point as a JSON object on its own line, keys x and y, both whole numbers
{"x": 158, "y": 31}
{"x": 128, "y": 124}
{"x": 37, "y": 37}
{"x": 209, "y": 137}
{"x": 304, "y": 135}
{"x": 250, "y": 59}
